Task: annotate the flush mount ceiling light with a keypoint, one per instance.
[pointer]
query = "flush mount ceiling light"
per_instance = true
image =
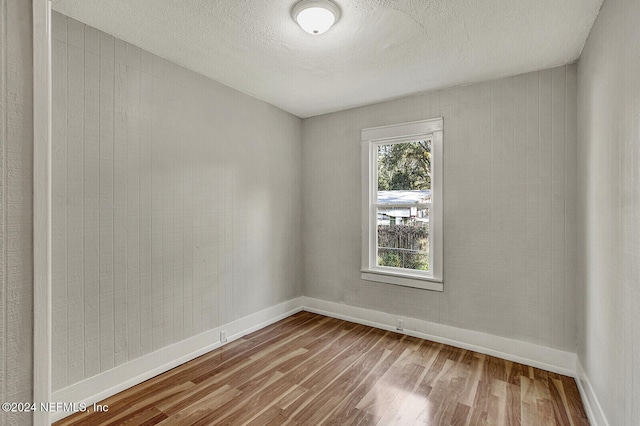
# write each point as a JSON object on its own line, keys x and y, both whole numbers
{"x": 315, "y": 16}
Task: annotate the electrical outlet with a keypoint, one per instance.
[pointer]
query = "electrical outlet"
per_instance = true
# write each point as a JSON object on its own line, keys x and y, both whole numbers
{"x": 223, "y": 336}
{"x": 400, "y": 326}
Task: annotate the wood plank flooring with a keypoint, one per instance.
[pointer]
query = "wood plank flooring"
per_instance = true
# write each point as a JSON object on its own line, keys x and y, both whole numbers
{"x": 313, "y": 370}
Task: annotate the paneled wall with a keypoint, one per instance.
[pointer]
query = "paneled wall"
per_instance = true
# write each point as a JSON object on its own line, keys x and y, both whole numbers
{"x": 177, "y": 203}
{"x": 609, "y": 212}
{"x": 16, "y": 207}
{"x": 509, "y": 208}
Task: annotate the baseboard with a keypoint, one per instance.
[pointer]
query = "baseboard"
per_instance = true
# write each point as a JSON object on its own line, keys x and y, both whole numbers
{"x": 589, "y": 399}
{"x": 104, "y": 385}
{"x": 542, "y": 357}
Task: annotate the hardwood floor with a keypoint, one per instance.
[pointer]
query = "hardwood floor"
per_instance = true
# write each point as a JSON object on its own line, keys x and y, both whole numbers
{"x": 310, "y": 370}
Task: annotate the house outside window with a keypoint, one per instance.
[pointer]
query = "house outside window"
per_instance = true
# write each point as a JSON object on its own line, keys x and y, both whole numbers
{"x": 402, "y": 204}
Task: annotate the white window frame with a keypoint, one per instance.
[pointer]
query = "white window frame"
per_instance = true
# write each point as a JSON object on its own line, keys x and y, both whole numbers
{"x": 371, "y": 138}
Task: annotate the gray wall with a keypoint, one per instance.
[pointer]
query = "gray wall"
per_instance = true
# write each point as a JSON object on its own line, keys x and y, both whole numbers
{"x": 177, "y": 203}
{"x": 609, "y": 210}
{"x": 509, "y": 161}
{"x": 509, "y": 208}
{"x": 16, "y": 211}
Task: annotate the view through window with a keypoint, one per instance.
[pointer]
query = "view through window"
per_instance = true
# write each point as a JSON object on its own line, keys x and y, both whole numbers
{"x": 403, "y": 203}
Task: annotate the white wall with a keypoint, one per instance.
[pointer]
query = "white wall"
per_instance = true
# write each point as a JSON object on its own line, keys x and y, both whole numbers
{"x": 509, "y": 208}
{"x": 16, "y": 207}
{"x": 609, "y": 211}
{"x": 177, "y": 203}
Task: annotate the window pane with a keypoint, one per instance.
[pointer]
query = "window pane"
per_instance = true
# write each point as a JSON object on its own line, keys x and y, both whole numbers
{"x": 403, "y": 237}
{"x": 404, "y": 167}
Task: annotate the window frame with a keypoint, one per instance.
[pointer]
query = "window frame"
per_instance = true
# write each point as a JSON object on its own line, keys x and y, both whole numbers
{"x": 371, "y": 138}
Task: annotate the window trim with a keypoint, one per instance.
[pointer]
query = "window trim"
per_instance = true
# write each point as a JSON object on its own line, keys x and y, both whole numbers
{"x": 398, "y": 133}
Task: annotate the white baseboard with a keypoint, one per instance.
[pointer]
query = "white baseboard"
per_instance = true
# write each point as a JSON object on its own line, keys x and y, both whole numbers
{"x": 589, "y": 400}
{"x": 104, "y": 385}
{"x": 542, "y": 357}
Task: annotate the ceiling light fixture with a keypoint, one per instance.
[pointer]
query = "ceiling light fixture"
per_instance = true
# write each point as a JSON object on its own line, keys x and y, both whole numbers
{"x": 315, "y": 16}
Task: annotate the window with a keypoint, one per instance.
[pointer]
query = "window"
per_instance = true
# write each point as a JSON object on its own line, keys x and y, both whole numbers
{"x": 402, "y": 204}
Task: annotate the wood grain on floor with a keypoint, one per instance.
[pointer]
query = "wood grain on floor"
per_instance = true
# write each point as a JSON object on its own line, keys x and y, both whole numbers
{"x": 313, "y": 370}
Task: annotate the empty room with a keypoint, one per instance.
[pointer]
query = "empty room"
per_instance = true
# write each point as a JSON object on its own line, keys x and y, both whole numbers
{"x": 320, "y": 212}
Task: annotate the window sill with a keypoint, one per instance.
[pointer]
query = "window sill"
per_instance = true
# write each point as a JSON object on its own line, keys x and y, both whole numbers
{"x": 404, "y": 280}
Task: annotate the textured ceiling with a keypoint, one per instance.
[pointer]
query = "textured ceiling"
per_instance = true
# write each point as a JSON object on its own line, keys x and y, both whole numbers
{"x": 378, "y": 50}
